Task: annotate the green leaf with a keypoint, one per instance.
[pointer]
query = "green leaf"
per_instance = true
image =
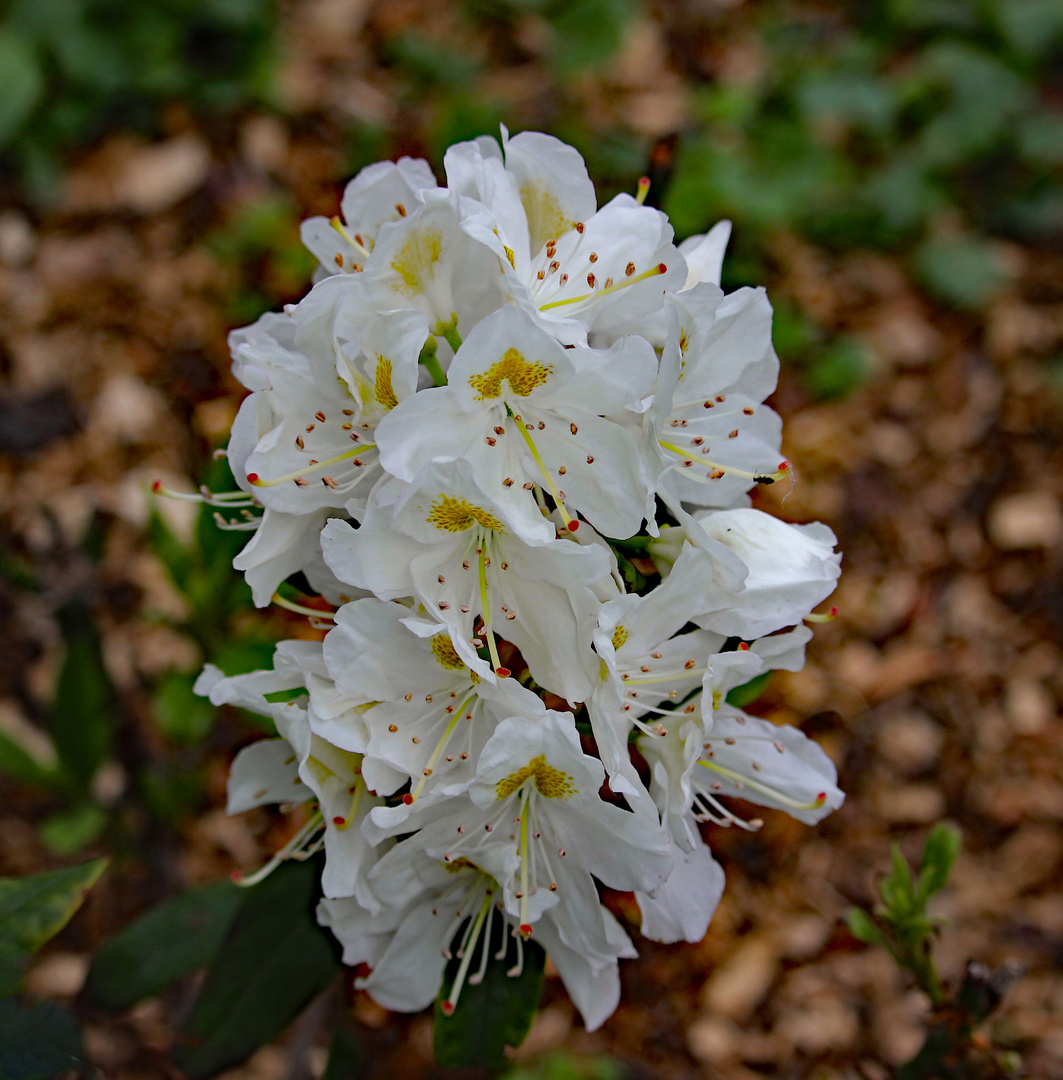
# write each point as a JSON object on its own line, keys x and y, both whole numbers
{"x": 70, "y": 831}
{"x": 34, "y": 909}
{"x": 897, "y": 888}
{"x": 493, "y": 1014}
{"x": 83, "y": 711}
{"x": 21, "y": 765}
{"x": 863, "y": 927}
{"x": 183, "y": 715}
{"x": 939, "y": 854}
{"x": 962, "y": 271}
{"x": 587, "y": 32}
{"x": 21, "y": 83}
{"x": 173, "y": 939}
{"x": 346, "y": 1055}
{"x": 743, "y": 695}
{"x": 39, "y": 1041}
{"x": 838, "y": 370}
{"x": 274, "y": 960}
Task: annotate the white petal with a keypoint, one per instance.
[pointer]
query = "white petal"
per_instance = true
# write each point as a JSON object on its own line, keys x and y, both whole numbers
{"x": 267, "y": 771}
{"x": 682, "y": 908}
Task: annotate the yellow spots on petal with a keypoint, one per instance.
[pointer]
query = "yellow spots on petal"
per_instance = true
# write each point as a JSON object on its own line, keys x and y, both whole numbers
{"x": 717, "y": 699}
{"x": 620, "y": 635}
{"x": 551, "y": 782}
{"x": 546, "y": 221}
{"x": 522, "y": 376}
{"x": 417, "y": 257}
{"x": 510, "y": 255}
{"x": 383, "y": 391}
{"x": 445, "y": 653}
{"x": 451, "y": 514}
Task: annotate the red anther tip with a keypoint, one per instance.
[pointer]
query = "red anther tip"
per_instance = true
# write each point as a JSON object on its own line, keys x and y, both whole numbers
{"x": 784, "y": 466}
{"x": 236, "y": 875}
{"x": 156, "y": 486}
{"x": 661, "y": 268}
{"x": 834, "y": 612}
{"x": 573, "y": 525}
{"x": 339, "y": 820}
{"x": 743, "y": 646}
{"x": 408, "y": 799}
{"x": 503, "y": 672}
{"x": 252, "y": 477}
{"x": 525, "y": 929}
{"x": 821, "y": 798}
{"x": 448, "y": 1008}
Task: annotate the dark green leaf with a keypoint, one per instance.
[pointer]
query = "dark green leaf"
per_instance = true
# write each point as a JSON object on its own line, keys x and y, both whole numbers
{"x": 274, "y": 960}
{"x": 493, "y": 1014}
{"x": 183, "y": 715}
{"x": 34, "y": 909}
{"x": 38, "y": 1041}
{"x": 20, "y": 765}
{"x": 346, "y": 1055}
{"x": 171, "y": 940}
{"x": 70, "y": 831}
{"x": 939, "y": 853}
{"x": 21, "y": 83}
{"x": 83, "y": 712}
{"x": 897, "y": 888}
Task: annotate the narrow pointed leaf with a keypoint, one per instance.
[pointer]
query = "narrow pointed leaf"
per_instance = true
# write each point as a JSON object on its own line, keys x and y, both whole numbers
{"x": 38, "y": 1041}
{"x": 34, "y": 909}
{"x": 172, "y": 940}
{"x": 492, "y": 1015}
{"x": 273, "y": 961}
{"x": 939, "y": 853}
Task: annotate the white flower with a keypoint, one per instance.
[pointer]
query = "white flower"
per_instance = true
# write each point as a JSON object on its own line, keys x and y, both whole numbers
{"x": 576, "y": 269}
{"x": 382, "y": 192}
{"x": 523, "y": 410}
{"x": 432, "y": 709}
{"x": 717, "y": 368}
{"x": 704, "y": 255}
{"x": 453, "y": 548}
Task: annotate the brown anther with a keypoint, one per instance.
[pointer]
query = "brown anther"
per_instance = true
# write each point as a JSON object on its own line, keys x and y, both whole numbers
{"x": 733, "y": 434}
{"x": 465, "y": 565}
{"x": 500, "y": 430}
{"x": 555, "y": 265}
{"x": 358, "y": 239}
{"x": 299, "y": 442}
{"x": 339, "y": 260}
{"x": 720, "y": 397}
{"x": 540, "y": 275}
{"x": 505, "y": 565}
{"x": 590, "y": 459}
{"x": 414, "y": 739}
{"x": 629, "y": 269}
{"x": 393, "y": 727}
{"x": 578, "y": 226}
{"x": 709, "y": 405}
{"x": 748, "y": 411}
{"x": 542, "y": 425}
{"x": 347, "y": 426}
{"x": 697, "y": 442}
{"x": 590, "y": 280}
{"x": 562, "y": 471}
{"x": 508, "y": 482}
{"x": 573, "y": 428}
{"x": 491, "y": 441}
{"x": 563, "y": 279}
{"x": 328, "y": 481}
{"x": 528, "y": 485}
{"x": 593, "y": 257}
{"x": 300, "y": 482}
{"x": 401, "y": 209}
{"x": 443, "y": 605}
{"x": 409, "y": 697}
{"x": 442, "y": 580}
{"x": 348, "y": 412}
{"x": 608, "y": 282}
{"x": 320, "y": 416}
{"x": 689, "y": 664}
{"x": 310, "y": 427}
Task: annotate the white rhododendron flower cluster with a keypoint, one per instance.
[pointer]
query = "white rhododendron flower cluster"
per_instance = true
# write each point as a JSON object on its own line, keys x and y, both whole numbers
{"x": 510, "y": 436}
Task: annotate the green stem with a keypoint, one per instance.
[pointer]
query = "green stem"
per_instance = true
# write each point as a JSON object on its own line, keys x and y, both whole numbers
{"x": 431, "y": 361}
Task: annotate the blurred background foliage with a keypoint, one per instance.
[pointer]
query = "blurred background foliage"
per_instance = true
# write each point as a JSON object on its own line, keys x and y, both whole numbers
{"x": 927, "y": 134}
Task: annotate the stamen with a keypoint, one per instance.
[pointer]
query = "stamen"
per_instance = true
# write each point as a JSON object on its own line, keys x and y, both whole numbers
{"x": 830, "y": 616}
{"x": 451, "y": 1002}
{"x": 760, "y": 478}
{"x": 256, "y": 481}
{"x": 525, "y": 926}
{"x": 301, "y": 609}
{"x": 643, "y": 190}
{"x": 571, "y": 523}
{"x": 660, "y": 268}
{"x": 290, "y": 850}
{"x": 338, "y": 225}
{"x": 440, "y": 746}
{"x": 485, "y": 606}
{"x": 225, "y": 499}
{"x": 764, "y": 789}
